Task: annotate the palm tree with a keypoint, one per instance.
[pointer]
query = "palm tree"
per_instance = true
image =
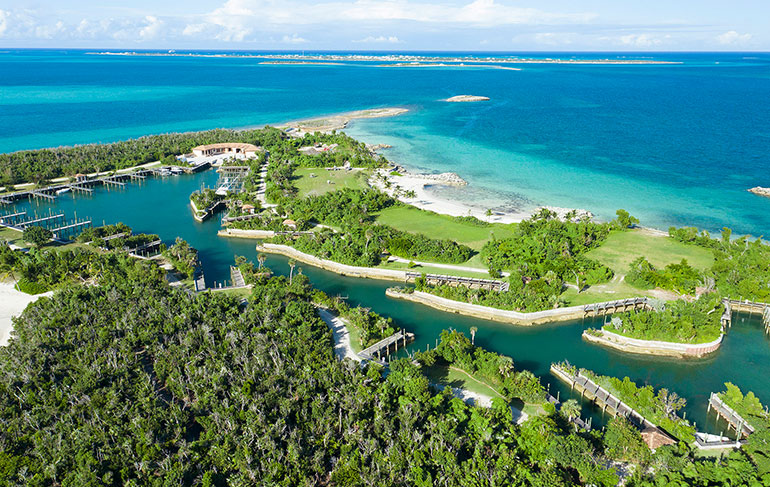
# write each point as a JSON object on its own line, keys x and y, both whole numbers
{"x": 474, "y": 329}
{"x": 261, "y": 258}
{"x": 292, "y": 264}
{"x": 369, "y": 233}
{"x": 570, "y": 409}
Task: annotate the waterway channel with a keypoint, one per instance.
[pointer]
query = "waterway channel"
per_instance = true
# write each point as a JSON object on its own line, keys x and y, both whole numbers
{"x": 161, "y": 206}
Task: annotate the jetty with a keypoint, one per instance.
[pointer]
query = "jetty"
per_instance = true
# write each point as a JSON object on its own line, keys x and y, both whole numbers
{"x": 734, "y": 420}
{"x": 610, "y": 307}
{"x": 387, "y": 346}
{"x": 454, "y": 281}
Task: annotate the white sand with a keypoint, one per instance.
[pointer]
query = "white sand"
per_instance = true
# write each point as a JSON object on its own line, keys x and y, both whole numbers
{"x": 12, "y": 303}
{"x": 427, "y": 201}
{"x": 342, "y": 348}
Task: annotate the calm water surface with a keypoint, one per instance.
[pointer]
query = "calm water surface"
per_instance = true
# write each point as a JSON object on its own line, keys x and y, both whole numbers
{"x": 161, "y": 206}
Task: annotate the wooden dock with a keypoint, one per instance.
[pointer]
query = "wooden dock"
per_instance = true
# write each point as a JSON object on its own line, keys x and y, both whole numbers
{"x": 601, "y": 397}
{"x": 454, "y": 281}
{"x": 746, "y": 306}
{"x": 382, "y": 349}
{"x": 739, "y": 424}
{"x": 237, "y": 277}
{"x": 600, "y": 309}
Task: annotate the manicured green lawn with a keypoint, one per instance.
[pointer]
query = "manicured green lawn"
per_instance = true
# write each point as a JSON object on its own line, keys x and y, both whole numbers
{"x": 326, "y": 181}
{"x": 602, "y": 292}
{"x": 11, "y": 236}
{"x": 442, "y": 374}
{"x": 621, "y": 248}
{"x": 434, "y": 270}
{"x": 414, "y": 220}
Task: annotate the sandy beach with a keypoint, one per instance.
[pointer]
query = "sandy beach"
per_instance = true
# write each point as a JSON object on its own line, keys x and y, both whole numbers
{"x": 12, "y": 303}
{"x": 338, "y": 121}
{"x": 424, "y": 199}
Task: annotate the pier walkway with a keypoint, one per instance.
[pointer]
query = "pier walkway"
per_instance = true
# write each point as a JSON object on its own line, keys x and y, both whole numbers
{"x": 610, "y": 307}
{"x": 382, "y": 349}
{"x": 739, "y": 424}
{"x": 454, "y": 281}
{"x": 746, "y": 306}
{"x": 603, "y": 398}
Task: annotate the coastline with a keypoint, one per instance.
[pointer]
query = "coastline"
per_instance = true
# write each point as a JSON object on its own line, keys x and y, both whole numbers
{"x": 337, "y": 121}
{"x": 653, "y": 347}
{"x": 420, "y": 184}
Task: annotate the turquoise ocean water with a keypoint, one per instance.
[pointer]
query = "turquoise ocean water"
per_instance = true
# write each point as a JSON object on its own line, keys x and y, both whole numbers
{"x": 673, "y": 144}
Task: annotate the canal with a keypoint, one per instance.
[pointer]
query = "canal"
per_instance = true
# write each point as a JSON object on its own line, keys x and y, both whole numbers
{"x": 161, "y": 206}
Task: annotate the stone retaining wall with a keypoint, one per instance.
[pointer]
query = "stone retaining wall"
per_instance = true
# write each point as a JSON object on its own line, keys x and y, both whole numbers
{"x": 653, "y": 347}
{"x": 342, "y": 269}
{"x": 488, "y": 313}
{"x": 237, "y": 232}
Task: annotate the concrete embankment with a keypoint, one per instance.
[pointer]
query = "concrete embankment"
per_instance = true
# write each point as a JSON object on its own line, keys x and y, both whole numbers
{"x": 237, "y": 232}
{"x": 653, "y": 347}
{"x": 488, "y": 313}
{"x": 342, "y": 269}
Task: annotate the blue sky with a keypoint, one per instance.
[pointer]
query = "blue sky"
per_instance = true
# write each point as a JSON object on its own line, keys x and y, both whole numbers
{"x": 396, "y": 25}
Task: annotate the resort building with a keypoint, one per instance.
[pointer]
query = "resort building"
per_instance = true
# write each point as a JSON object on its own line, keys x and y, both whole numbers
{"x": 248, "y": 150}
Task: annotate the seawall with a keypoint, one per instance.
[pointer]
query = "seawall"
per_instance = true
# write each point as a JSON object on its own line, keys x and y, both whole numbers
{"x": 488, "y": 313}
{"x": 653, "y": 347}
{"x": 237, "y": 232}
{"x": 342, "y": 269}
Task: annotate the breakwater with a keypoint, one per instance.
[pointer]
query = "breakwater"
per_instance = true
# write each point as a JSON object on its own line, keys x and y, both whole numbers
{"x": 652, "y": 347}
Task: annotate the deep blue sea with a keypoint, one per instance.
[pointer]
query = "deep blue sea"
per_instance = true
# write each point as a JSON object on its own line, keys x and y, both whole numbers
{"x": 674, "y": 144}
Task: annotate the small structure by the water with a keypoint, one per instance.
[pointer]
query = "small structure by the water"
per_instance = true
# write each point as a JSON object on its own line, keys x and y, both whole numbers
{"x": 248, "y": 150}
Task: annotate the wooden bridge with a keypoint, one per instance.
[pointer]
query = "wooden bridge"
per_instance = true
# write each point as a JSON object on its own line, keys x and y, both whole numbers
{"x": 454, "y": 281}
{"x": 600, "y": 309}
{"x": 739, "y": 424}
{"x": 386, "y": 346}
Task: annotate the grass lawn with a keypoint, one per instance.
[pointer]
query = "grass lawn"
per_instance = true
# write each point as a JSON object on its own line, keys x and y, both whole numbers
{"x": 610, "y": 291}
{"x": 621, "y": 248}
{"x": 401, "y": 266}
{"x": 12, "y": 237}
{"x": 451, "y": 376}
{"x": 320, "y": 184}
{"x": 414, "y": 220}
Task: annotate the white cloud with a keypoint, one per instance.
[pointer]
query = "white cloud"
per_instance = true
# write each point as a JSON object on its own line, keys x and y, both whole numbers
{"x": 293, "y": 39}
{"x": 152, "y": 28}
{"x": 4, "y": 14}
{"x": 732, "y": 37}
{"x": 554, "y": 38}
{"x": 640, "y": 40}
{"x": 380, "y": 40}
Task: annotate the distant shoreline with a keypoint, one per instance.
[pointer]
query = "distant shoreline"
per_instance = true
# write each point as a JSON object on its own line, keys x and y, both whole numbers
{"x": 394, "y": 58}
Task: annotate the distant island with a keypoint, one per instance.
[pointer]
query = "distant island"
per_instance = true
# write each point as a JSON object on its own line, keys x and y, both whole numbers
{"x": 466, "y": 98}
{"x": 760, "y": 191}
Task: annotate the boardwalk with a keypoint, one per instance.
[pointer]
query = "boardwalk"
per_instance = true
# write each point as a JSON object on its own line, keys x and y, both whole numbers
{"x": 610, "y": 307}
{"x": 383, "y": 347}
{"x": 601, "y": 397}
{"x": 469, "y": 282}
{"x": 733, "y": 419}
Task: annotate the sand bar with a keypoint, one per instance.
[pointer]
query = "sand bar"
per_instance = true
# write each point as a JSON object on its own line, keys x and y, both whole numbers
{"x": 339, "y": 121}
{"x": 466, "y": 98}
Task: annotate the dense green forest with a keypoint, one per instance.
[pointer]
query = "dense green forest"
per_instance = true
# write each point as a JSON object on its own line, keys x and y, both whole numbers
{"x": 742, "y": 267}
{"x": 44, "y": 164}
{"x": 131, "y": 382}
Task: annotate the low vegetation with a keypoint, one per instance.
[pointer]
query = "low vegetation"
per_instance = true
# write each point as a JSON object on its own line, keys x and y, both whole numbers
{"x": 676, "y": 321}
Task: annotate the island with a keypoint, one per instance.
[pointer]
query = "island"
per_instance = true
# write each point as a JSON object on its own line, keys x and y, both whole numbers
{"x": 466, "y": 98}
{"x": 759, "y": 190}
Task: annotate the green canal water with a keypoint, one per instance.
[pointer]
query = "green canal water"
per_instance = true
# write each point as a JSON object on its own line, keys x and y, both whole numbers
{"x": 161, "y": 206}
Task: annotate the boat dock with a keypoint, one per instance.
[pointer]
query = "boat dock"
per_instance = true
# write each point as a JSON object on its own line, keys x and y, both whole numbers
{"x": 385, "y": 347}
{"x": 601, "y": 397}
{"x": 454, "y": 281}
{"x": 741, "y": 427}
{"x": 745, "y": 306}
